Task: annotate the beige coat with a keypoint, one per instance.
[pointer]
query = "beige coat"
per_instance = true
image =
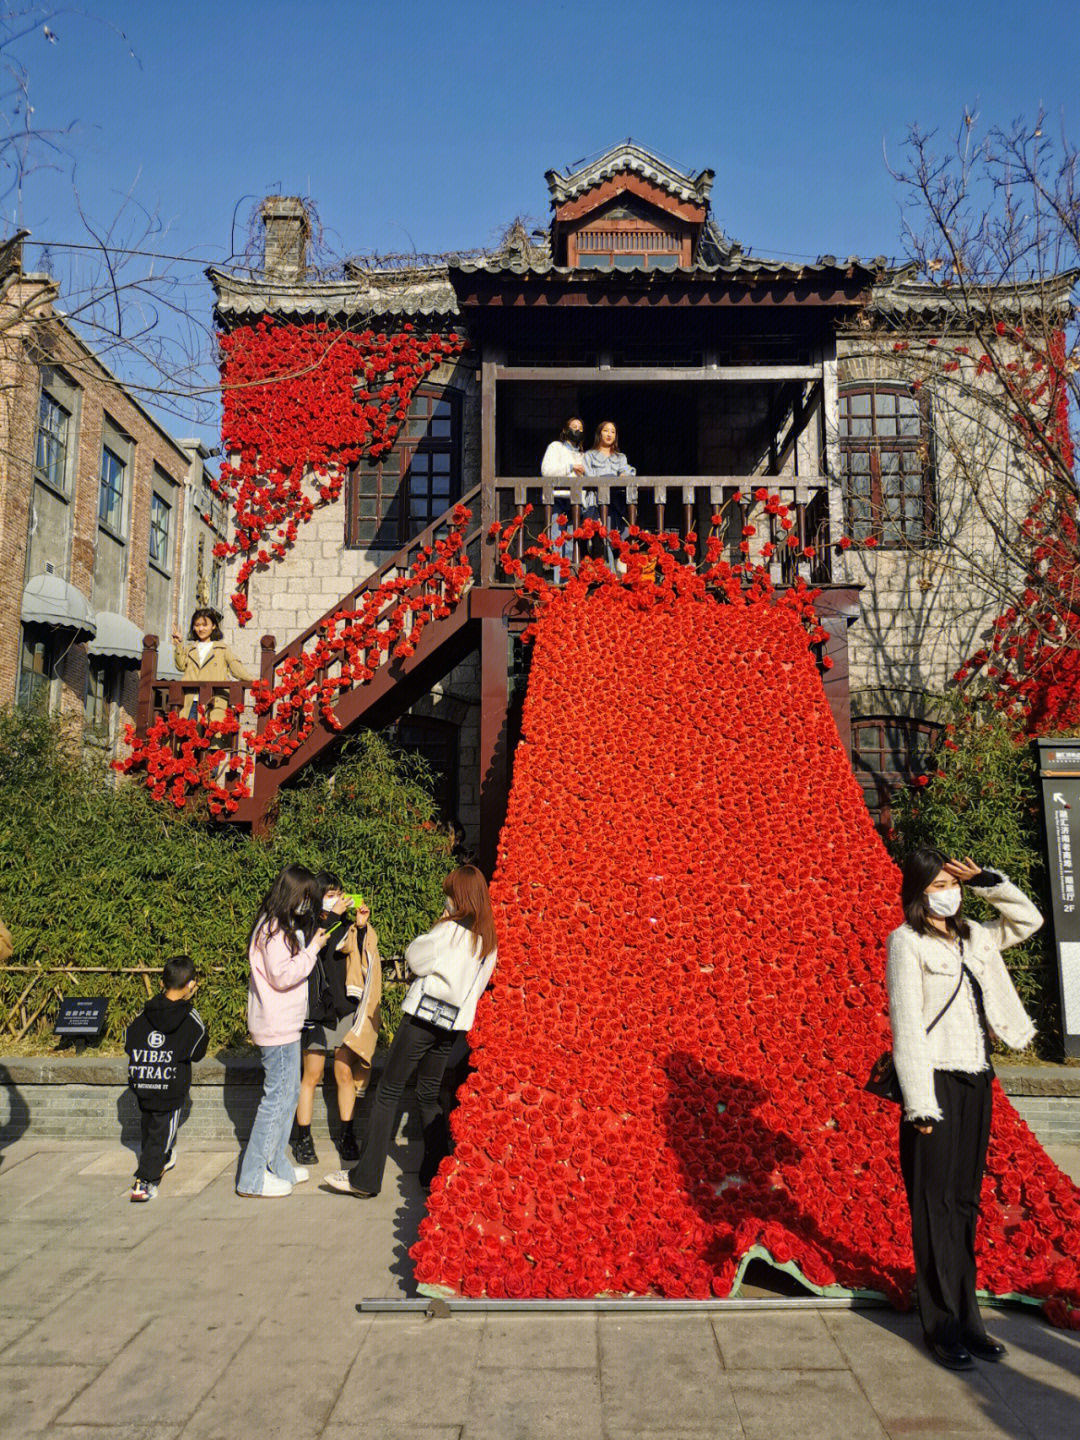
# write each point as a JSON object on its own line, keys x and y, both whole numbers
{"x": 363, "y": 979}
{"x": 221, "y": 666}
{"x": 6, "y": 947}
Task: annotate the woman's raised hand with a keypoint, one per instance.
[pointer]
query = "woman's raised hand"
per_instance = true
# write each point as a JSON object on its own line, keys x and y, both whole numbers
{"x": 178, "y": 639}
{"x": 320, "y": 938}
{"x": 363, "y": 915}
{"x": 963, "y": 870}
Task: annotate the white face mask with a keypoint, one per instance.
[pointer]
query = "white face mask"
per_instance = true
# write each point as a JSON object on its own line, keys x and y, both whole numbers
{"x": 943, "y": 903}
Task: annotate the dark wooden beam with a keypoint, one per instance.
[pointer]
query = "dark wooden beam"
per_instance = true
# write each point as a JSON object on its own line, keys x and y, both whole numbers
{"x": 494, "y": 757}
{"x": 653, "y": 374}
{"x": 767, "y": 295}
{"x": 837, "y": 609}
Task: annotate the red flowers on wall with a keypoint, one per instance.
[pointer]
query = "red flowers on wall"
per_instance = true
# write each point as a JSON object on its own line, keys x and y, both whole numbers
{"x": 692, "y": 903}
{"x": 301, "y": 403}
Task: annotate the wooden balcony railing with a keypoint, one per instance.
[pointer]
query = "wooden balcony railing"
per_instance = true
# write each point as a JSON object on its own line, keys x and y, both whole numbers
{"x": 683, "y": 504}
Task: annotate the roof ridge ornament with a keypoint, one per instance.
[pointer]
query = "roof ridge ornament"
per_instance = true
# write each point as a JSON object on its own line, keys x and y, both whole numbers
{"x": 628, "y": 155}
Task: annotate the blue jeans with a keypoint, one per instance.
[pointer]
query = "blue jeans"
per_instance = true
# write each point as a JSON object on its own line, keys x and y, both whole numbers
{"x": 267, "y": 1147}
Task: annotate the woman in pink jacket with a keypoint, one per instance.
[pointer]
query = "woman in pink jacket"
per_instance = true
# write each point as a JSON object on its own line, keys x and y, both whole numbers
{"x": 282, "y": 950}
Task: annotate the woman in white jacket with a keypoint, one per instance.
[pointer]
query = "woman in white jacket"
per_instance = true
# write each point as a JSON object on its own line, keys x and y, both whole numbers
{"x": 948, "y": 988}
{"x": 453, "y": 963}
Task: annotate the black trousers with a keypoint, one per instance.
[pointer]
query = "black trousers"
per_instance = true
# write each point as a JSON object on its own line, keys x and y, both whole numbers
{"x": 159, "y": 1129}
{"x": 421, "y": 1047}
{"x": 943, "y": 1174}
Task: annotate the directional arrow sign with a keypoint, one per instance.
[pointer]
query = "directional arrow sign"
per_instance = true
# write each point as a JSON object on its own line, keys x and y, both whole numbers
{"x": 1059, "y": 799}
{"x": 1059, "y": 769}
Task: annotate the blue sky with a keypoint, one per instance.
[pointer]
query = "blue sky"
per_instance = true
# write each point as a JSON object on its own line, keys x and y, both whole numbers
{"x": 416, "y": 124}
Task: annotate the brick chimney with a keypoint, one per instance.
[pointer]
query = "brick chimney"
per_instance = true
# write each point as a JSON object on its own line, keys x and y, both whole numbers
{"x": 286, "y": 230}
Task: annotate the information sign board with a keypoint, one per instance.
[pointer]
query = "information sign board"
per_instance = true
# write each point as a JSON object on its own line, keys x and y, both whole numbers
{"x": 1059, "y": 772}
{"x": 82, "y": 1017}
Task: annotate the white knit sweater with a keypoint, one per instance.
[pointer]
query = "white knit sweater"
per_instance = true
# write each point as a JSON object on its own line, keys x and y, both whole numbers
{"x": 922, "y": 972}
{"x": 450, "y": 970}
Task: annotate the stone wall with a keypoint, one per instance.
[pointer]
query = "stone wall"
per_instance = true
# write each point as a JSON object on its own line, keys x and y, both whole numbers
{"x": 87, "y": 1098}
{"x": 924, "y": 611}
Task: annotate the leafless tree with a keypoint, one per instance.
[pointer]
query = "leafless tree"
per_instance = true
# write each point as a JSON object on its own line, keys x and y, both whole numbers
{"x": 982, "y": 320}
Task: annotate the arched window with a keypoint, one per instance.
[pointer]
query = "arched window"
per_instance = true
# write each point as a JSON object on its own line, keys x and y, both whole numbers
{"x": 890, "y": 752}
{"x": 885, "y": 464}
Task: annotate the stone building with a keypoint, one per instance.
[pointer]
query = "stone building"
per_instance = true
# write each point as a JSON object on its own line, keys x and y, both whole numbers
{"x": 102, "y": 529}
{"x": 724, "y": 372}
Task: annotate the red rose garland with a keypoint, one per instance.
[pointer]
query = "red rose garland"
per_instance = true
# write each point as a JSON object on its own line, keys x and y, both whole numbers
{"x": 301, "y": 403}
{"x": 692, "y": 903}
{"x": 179, "y": 755}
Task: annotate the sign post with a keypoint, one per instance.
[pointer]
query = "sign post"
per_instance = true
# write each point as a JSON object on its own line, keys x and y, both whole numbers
{"x": 1059, "y": 772}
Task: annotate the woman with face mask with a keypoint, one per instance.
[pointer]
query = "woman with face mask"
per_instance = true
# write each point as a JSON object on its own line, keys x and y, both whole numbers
{"x": 948, "y": 990}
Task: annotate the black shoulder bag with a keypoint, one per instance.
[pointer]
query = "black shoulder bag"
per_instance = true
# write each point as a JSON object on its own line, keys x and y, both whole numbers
{"x": 884, "y": 1081}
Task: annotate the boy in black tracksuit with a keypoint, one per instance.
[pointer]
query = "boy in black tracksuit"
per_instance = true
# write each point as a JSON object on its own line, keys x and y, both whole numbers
{"x": 161, "y": 1044}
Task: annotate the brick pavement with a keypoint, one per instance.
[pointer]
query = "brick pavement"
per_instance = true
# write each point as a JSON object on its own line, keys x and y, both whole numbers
{"x": 203, "y": 1316}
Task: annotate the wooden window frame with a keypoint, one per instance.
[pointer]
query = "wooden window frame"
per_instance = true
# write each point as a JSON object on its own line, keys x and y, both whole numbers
{"x": 393, "y": 525}
{"x": 886, "y": 777}
{"x": 874, "y": 445}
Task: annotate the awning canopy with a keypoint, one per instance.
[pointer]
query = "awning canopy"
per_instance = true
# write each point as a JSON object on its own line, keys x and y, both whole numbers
{"x": 116, "y": 636}
{"x": 49, "y": 600}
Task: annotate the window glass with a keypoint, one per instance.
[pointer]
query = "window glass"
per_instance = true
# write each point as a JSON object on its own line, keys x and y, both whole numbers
{"x": 50, "y": 457}
{"x": 160, "y": 529}
{"x": 111, "y": 496}
{"x": 396, "y": 498}
{"x": 884, "y": 462}
{"x": 37, "y": 664}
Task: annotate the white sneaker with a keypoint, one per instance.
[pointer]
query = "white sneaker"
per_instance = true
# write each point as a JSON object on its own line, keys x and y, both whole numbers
{"x": 273, "y": 1189}
{"x": 302, "y": 1173}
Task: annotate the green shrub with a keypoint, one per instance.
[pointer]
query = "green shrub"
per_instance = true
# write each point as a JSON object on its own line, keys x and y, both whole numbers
{"x": 982, "y": 799}
{"x": 95, "y": 873}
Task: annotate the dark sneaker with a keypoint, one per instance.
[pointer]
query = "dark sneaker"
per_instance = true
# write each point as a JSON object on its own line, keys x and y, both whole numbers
{"x": 142, "y": 1191}
{"x": 303, "y": 1151}
{"x": 347, "y": 1148}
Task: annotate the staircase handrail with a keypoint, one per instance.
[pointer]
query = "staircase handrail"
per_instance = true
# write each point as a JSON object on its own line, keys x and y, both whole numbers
{"x": 400, "y": 562}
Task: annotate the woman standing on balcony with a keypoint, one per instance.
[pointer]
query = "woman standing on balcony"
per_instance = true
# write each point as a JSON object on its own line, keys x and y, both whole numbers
{"x": 605, "y": 458}
{"x": 948, "y": 987}
{"x": 206, "y": 659}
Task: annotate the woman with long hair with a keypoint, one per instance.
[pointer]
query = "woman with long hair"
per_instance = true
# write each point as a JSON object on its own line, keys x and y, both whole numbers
{"x": 206, "y": 659}
{"x": 605, "y": 457}
{"x": 453, "y": 963}
{"x": 283, "y": 946}
{"x": 948, "y": 989}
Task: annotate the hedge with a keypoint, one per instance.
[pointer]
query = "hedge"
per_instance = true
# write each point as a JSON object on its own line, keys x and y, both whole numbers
{"x": 95, "y": 873}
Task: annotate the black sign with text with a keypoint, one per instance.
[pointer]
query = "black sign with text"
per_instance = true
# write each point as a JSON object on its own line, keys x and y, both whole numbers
{"x": 1059, "y": 772}
{"x": 82, "y": 1017}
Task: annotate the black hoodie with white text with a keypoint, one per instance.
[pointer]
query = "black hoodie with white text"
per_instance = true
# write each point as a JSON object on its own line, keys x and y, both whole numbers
{"x": 161, "y": 1044}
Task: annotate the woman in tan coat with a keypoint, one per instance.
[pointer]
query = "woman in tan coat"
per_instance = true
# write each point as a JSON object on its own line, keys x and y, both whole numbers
{"x": 206, "y": 659}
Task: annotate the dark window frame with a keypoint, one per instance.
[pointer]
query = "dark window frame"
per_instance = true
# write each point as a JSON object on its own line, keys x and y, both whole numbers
{"x": 892, "y": 529}
{"x": 402, "y": 506}
{"x": 99, "y": 706}
{"x": 163, "y": 564}
{"x": 899, "y": 762}
{"x": 104, "y": 486}
{"x": 46, "y": 440}
{"x": 40, "y": 642}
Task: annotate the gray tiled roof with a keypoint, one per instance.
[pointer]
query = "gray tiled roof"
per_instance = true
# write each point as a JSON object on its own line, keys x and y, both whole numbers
{"x": 736, "y": 267}
{"x": 385, "y": 292}
{"x": 902, "y": 297}
{"x": 693, "y": 189}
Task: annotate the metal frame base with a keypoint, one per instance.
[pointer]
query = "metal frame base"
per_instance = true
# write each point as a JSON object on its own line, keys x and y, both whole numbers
{"x": 454, "y": 1305}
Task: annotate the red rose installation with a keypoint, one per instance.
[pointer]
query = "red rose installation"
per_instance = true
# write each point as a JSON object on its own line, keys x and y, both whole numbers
{"x": 692, "y": 903}
{"x": 180, "y": 754}
{"x": 301, "y": 403}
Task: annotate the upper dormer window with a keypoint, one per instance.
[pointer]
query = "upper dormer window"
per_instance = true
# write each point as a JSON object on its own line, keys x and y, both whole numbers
{"x": 627, "y": 237}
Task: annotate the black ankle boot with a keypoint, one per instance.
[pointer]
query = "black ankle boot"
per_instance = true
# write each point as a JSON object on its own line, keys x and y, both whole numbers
{"x": 348, "y": 1149}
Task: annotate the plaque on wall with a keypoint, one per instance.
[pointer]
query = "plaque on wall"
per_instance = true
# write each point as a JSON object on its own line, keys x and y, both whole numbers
{"x": 1059, "y": 773}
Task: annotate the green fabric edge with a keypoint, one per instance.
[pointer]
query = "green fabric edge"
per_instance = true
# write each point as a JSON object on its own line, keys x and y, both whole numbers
{"x": 759, "y": 1252}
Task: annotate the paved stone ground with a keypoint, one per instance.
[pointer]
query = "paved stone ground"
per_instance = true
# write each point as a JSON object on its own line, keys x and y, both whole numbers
{"x": 207, "y": 1317}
